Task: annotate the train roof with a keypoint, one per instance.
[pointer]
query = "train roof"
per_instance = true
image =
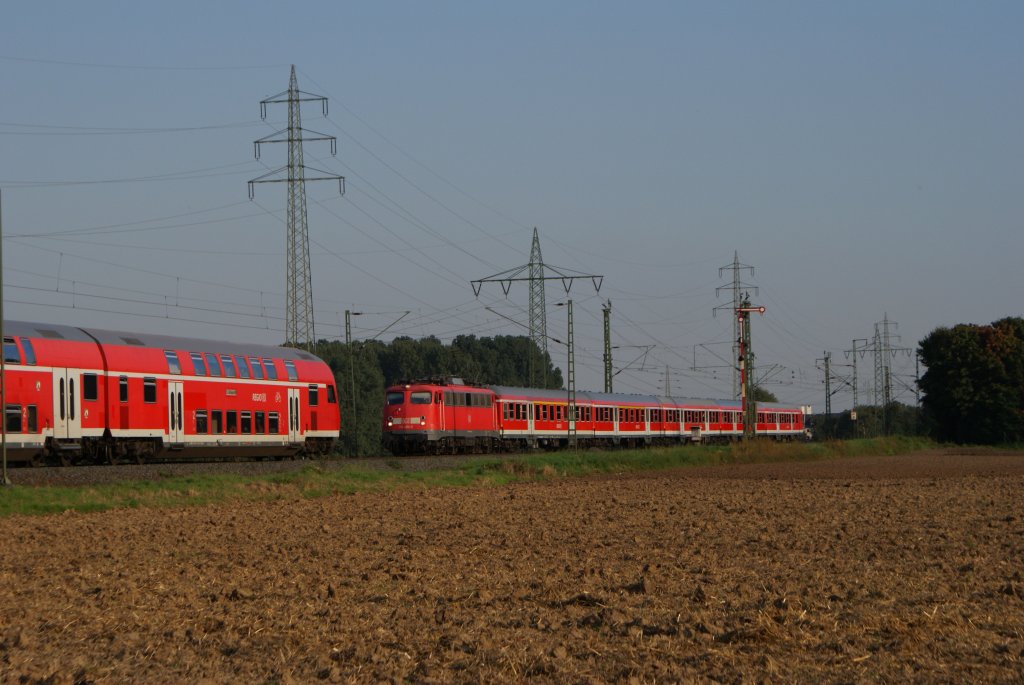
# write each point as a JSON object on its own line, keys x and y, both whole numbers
{"x": 28, "y": 329}
{"x": 625, "y": 398}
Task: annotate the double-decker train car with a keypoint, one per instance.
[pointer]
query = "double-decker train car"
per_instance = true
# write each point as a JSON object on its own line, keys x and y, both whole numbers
{"x": 440, "y": 416}
{"x": 76, "y": 395}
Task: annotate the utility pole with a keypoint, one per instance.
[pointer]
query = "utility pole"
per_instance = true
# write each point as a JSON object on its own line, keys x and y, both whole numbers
{"x": 827, "y": 359}
{"x": 571, "y": 380}
{"x": 668, "y": 382}
{"x": 736, "y": 268}
{"x": 3, "y": 372}
{"x": 299, "y": 329}
{"x": 745, "y": 358}
{"x": 535, "y": 271}
{"x": 852, "y": 355}
{"x": 351, "y": 372}
{"x": 607, "y": 311}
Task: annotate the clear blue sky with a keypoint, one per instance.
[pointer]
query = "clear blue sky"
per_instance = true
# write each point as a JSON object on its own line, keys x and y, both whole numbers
{"x": 866, "y": 159}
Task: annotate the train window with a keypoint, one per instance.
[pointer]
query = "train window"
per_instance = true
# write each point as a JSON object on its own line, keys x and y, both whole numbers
{"x": 419, "y": 397}
{"x": 273, "y": 423}
{"x": 257, "y": 368}
{"x": 314, "y": 396}
{"x": 289, "y": 366}
{"x": 261, "y": 422}
{"x": 243, "y": 367}
{"x": 213, "y": 364}
{"x": 246, "y": 422}
{"x": 232, "y": 423}
{"x": 229, "y": 365}
{"x": 216, "y": 421}
{"x": 173, "y": 365}
{"x": 30, "y": 353}
{"x": 122, "y": 388}
{"x": 332, "y": 396}
{"x": 198, "y": 364}
{"x": 11, "y": 353}
{"x": 201, "y": 425}
{"x": 32, "y": 419}
{"x": 12, "y": 422}
{"x": 396, "y": 397}
{"x": 149, "y": 390}
{"x": 271, "y": 369}
{"x": 90, "y": 389}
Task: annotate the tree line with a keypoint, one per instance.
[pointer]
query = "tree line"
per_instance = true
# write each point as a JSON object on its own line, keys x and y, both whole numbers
{"x": 972, "y": 391}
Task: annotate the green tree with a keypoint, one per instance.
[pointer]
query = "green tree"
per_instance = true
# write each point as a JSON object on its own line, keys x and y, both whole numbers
{"x": 974, "y": 386}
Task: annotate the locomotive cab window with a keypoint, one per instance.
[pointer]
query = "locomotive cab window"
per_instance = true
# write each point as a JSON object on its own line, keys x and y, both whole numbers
{"x": 289, "y": 366}
{"x": 173, "y": 365}
{"x": 314, "y": 396}
{"x": 90, "y": 388}
{"x": 396, "y": 397}
{"x": 11, "y": 353}
{"x": 419, "y": 397}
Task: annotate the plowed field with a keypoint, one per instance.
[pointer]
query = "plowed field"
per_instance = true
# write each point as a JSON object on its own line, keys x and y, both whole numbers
{"x": 896, "y": 569}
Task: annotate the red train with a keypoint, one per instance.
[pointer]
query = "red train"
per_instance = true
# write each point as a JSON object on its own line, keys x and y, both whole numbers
{"x": 76, "y": 395}
{"x": 451, "y": 416}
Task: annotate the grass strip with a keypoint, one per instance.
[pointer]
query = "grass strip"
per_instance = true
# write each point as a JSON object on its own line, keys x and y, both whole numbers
{"x": 318, "y": 481}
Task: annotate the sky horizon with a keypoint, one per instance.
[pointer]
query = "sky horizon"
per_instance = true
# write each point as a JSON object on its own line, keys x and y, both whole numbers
{"x": 864, "y": 159}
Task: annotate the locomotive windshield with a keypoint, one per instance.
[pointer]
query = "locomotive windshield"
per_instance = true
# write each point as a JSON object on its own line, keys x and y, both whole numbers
{"x": 396, "y": 397}
{"x": 419, "y": 397}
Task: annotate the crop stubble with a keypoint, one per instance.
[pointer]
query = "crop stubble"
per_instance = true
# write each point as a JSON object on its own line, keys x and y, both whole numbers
{"x": 888, "y": 568}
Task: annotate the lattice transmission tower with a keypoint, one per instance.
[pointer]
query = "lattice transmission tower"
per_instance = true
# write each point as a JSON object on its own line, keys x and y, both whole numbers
{"x": 299, "y": 327}
{"x": 536, "y": 275}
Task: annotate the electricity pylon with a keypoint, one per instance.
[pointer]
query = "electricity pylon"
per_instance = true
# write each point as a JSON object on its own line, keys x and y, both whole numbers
{"x": 535, "y": 271}
{"x": 299, "y": 299}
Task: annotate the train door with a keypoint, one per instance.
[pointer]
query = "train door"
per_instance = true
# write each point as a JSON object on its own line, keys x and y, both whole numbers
{"x": 294, "y": 415}
{"x": 67, "y": 401}
{"x": 175, "y": 409}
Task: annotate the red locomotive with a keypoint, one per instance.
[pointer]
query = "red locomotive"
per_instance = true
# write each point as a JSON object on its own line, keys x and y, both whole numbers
{"x": 76, "y": 395}
{"x": 441, "y": 416}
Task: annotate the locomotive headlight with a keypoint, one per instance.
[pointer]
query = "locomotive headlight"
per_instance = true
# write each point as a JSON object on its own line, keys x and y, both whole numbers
{"x": 423, "y": 420}
{"x": 391, "y": 422}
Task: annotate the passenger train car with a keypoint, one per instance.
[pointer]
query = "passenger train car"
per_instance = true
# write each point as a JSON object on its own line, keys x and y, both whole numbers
{"x": 76, "y": 395}
{"x": 441, "y": 416}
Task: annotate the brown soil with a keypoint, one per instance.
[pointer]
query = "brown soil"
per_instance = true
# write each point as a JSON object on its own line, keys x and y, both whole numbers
{"x": 861, "y": 570}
